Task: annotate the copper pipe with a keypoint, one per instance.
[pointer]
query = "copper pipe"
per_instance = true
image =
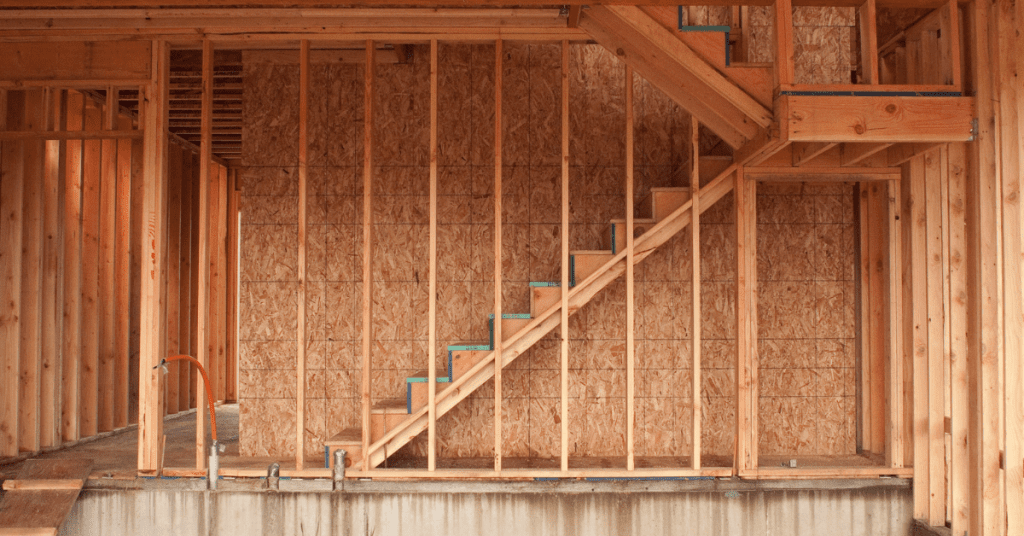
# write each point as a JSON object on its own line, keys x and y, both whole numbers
{"x": 209, "y": 393}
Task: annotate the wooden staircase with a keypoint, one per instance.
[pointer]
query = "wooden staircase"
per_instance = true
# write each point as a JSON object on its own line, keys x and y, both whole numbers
{"x": 394, "y": 423}
{"x": 690, "y": 67}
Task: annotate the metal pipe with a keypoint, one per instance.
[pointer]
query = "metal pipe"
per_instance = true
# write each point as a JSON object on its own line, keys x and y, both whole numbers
{"x": 339, "y": 467}
{"x": 274, "y": 476}
{"x": 213, "y": 467}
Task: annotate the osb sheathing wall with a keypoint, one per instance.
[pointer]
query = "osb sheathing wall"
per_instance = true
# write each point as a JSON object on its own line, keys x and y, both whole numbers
{"x": 807, "y": 222}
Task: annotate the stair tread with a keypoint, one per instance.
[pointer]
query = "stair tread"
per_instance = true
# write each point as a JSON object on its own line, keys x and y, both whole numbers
{"x": 423, "y": 375}
{"x": 389, "y": 405}
{"x": 347, "y": 436}
{"x": 635, "y": 220}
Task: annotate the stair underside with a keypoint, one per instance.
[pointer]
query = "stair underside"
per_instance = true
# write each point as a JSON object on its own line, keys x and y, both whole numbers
{"x": 546, "y": 321}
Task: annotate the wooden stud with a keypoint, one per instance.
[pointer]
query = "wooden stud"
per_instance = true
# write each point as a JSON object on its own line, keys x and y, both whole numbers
{"x": 918, "y": 260}
{"x": 746, "y": 321}
{"x": 894, "y": 329}
{"x": 108, "y": 201}
{"x": 784, "y": 58}
{"x": 498, "y": 336}
{"x": 564, "y": 308}
{"x": 367, "y": 305}
{"x": 432, "y": 283}
{"x": 958, "y": 342}
{"x": 935, "y": 390}
{"x": 31, "y": 277}
{"x": 300, "y": 334}
{"x": 864, "y": 428}
{"x": 123, "y": 277}
{"x": 70, "y": 341}
{"x": 695, "y": 289}
{"x": 49, "y": 433}
{"x": 218, "y": 304}
{"x": 185, "y": 280}
{"x": 869, "y": 42}
{"x": 231, "y": 277}
{"x": 947, "y": 448}
{"x": 202, "y": 293}
{"x": 878, "y": 284}
{"x": 174, "y": 164}
{"x": 630, "y": 284}
{"x": 90, "y": 343}
{"x": 152, "y": 348}
{"x": 135, "y": 300}
{"x": 951, "y": 22}
{"x": 12, "y": 169}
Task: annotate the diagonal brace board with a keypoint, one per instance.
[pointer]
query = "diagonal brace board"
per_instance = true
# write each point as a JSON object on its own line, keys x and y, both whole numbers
{"x": 579, "y": 295}
{"x": 677, "y": 70}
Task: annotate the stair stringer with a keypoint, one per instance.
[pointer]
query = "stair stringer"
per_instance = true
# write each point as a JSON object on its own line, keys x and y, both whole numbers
{"x": 540, "y": 326}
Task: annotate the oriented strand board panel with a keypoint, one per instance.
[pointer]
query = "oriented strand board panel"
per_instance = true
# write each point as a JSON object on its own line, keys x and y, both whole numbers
{"x": 102, "y": 61}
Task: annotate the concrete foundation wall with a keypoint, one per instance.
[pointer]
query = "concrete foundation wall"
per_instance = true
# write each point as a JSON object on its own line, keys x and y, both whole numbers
{"x": 619, "y": 508}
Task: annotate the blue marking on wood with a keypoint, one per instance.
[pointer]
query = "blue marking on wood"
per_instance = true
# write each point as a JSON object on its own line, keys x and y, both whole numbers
{"x": 704, "y": 29}
{"x": 469, "y": 348}
{"x": 572, "y": 270}
{"x": 872, "y": 93}
{"x": 327, "y": 456}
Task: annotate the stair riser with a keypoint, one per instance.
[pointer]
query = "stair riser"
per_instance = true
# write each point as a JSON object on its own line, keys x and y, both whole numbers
{"x": 543, "y": 298}
{"x": 586, "y": 264}
{"x": 381, "y": 424}
{"x": 615, "y": 236}
{"x": 463, "y": 360}
{"x": 353, "y": 454}
{"x": 509, "y": 327}
{"x": 416, "y": 394}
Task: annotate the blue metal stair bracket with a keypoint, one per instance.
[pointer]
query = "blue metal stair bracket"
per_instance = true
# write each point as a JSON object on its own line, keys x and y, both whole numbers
{"x": 545, "y": 284}
{"x": 723, "y": 29}
{"x": 572, "y": 263}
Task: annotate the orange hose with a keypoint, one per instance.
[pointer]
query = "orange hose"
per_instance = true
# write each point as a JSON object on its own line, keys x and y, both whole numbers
{"x": 209, "y": 393}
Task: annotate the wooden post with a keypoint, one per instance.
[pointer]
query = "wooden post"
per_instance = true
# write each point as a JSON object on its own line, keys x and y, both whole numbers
{"x": 71, "y": 339}
{"x": 432, "y": 283}
{"x": 29, "y": 422}
{"x": 497, "y": 254}
{"x": 231, "y": 294}
{"x": 564, "y": 310}
{"x": 367, "y": 305}
{"x": 203, "y": 248}
{"x": 122, "y": 273}
{"x": 936, "y": 388}
{"x": 893, "y": 329}
{"x": 300, "y": 335}
{"x": 50, "y": 332}
{"x": 152, "y": 347}
{"x": 108, "y": 201}
{"x": 220, "y": 241}
{"x": 90, "y": 344}
{"x": 630, "y": 284}
{"x": 695, "y": 209}
{"x": 869, "y": 42}
{"x": 12, "y": 161}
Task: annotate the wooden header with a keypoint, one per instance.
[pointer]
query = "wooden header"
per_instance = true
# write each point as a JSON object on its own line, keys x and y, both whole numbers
{"x": 890, "y": 119}
{"x": 444, "y": 3}
{"x": 41, "y": 63}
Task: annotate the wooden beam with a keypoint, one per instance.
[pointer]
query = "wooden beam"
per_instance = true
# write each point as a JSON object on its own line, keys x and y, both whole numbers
{"x": 90, "y": 343}
{"x": 152, "y": 348}
{"x": 432, "y": 282}
{"x": 124, "y": 61}
{"x": 193, "y": 4}
{"x": 72, "y": 304}
{"x": 630, "y": 284}
{"x": 869, "y": 41}
{"x": 12, "y": 169}
{"x": 70, "y": 135}
{"x": 498, "y": 280}
{"x": 573, "y": 18}
{"x": 300, "y": 332}
{"x": 367, "y": 303}
{"x": 564, "y": 282}
{"x": 852, "y": 154}
{"x": 107, "y": 307}
{"x": 50, "y": 331}
{"x": 878, "y": 119}
{"x": 29, "y": 422}
{"x": 695, "y": 289}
